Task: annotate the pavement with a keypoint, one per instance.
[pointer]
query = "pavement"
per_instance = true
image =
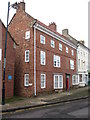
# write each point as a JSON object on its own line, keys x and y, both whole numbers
{"x": 46, "y": 99}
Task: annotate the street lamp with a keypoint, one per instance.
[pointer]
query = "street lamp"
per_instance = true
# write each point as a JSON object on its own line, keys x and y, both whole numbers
{"x": 15, "y": 6}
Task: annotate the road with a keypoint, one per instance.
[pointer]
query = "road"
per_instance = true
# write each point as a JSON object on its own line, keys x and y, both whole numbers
{"x": 75, "y": 109}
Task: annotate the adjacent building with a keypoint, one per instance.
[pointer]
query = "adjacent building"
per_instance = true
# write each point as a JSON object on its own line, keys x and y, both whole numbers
{"x": 45, "y": 60}
{"x": 10, "y": 62}
{"x": 81, "y": 78}
{"x": 89, "y": 41}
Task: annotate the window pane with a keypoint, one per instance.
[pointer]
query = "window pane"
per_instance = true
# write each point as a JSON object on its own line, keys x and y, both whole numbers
{"x": 43, "y": 58}
{"x": 27, "y": 35}
{"x": 66, "y": 49}
{"x": 60, "y": 46}
{"x": 52, "y": 44}
{"x": 56, "y": 61}
{"x": 42, "y": 80}
{"x": 71, "y": 64}
{"x": 56, "y": 81}
{"x": 60, "y": 81}
{"x": 26, "y": 79}
{"x": 27, "y": 56}
{"x": 72, "y": 52}
{"x": 42, "y": 39}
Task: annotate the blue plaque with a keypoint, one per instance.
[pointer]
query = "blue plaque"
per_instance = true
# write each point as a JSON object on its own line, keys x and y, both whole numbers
{"x": 9, "y": 77}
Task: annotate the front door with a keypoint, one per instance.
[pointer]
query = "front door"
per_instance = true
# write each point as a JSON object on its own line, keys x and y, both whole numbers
{"x": 67, "y": 81}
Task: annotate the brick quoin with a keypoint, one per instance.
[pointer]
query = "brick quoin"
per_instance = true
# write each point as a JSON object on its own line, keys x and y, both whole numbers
{"x": 22, "y": 22}
{"x": 10, "y": 62}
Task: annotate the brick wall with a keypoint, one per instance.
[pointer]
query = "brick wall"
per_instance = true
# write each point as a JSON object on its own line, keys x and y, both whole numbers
{"x": 20, "y": 23}
{"x": 10, "y": 62}
{"x": 49, "y": 69}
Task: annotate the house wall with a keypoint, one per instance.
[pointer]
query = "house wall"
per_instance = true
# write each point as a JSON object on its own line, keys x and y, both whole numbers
{"x": 10, "y": 60}
{"x": 49, "y": 68}
{"x": 20, "y": 23}
{"x": 18, "y": 26}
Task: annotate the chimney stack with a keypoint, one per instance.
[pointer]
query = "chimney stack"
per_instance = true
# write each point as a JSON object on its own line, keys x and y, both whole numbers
{"x": 21, "y": 6}
{"x": 82, "y": 41}
{"x": 65, "y": 32}
{"x": 53, "y": 26}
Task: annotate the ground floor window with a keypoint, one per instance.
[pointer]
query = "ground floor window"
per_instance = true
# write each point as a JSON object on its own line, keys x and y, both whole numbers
{"x": 74, "y": 79}
{"x": 58, "y": 81}
{"x": 43, "y": 80}
{"x": 26, "y": 80}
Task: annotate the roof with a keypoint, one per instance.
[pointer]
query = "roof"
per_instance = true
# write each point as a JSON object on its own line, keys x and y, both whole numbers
{"x": 83, "y": 45}
{"x": 8, "y": 33}
{"x": 45, "y": 26}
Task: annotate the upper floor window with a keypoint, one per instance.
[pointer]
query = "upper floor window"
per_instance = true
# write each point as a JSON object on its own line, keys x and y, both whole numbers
{"x": 27, "y": 56}
{"x": 66, "y": 49}
{"x": 27, "y": 35}
{"x": 72, "y": 64}
{"x": 26, "y": 80}
{"x": 52, "y": 44}
{"x": 43, "y": 58}
{"x": 43, "y": 80}
{"x": 56, "y": 61}
{"x": 42, "y": 39}
{"x": 78, "y": 63}
{"x": 60, "y": 46}
{"x": 72, "y": 52}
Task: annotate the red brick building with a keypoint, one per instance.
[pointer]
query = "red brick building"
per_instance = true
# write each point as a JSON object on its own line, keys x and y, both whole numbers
{"x": 45, "y": 60}
{"x": 10, "y": 62}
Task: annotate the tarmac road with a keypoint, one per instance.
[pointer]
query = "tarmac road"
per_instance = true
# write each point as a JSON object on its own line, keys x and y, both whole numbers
{"x": 74, "y": 109}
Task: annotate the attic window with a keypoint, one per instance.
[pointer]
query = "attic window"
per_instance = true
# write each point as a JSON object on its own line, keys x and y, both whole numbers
{"x": 27, "y": 35}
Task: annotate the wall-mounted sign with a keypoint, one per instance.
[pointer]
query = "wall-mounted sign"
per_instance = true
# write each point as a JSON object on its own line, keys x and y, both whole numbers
{"x": 9, "y": 77}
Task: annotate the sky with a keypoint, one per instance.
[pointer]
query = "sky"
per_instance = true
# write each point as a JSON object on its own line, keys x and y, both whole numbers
{"x": 67, "y": 14}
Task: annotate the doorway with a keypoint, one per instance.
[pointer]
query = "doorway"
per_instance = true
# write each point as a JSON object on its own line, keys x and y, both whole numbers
{"x": 68, "y": 81}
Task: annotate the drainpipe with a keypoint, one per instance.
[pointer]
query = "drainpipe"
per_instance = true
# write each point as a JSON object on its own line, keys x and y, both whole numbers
{"x": 34, "y": 61}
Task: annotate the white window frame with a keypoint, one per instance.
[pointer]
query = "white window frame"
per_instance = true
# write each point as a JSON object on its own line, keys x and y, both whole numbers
{"x": 43, "y": 57}
{"x": 0, "y": 54}
{"x": 26, "y": 79}
{"x": 76, "y": 80}
{"x": 27, "y": 59}
{"x": 56, "y": 60}
{"x": 66, "y": 49}
{"x": 42, "y": 39}
{"x": 60, "y": 46}
{"x": 72, "y": 64}
{"x": 58, "y": 86}
{"x": 72, "y": 52}
{"x": 27, "y": 35}
{"x": 52, "y": 43}
{"x": 44, "y": 85}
